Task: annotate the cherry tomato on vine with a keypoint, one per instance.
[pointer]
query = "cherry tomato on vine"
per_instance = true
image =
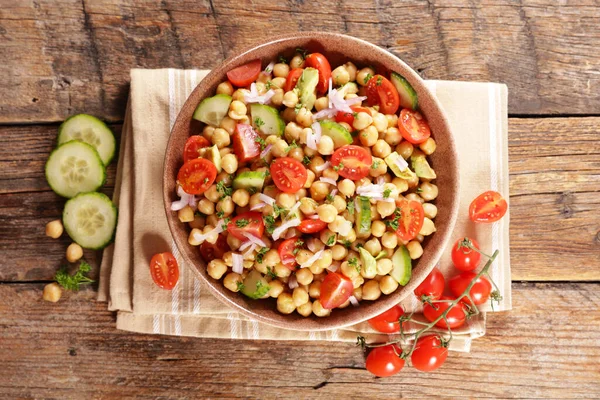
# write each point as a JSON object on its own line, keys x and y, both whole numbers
{"x": 480, "y": 292}
{"x": 384, "y": 361}
{"x": 463, "y": 257}
{"x": 429, "y": 353}
{"x": 456, "y": 316}
{"x": 432, "y": 286}
{"x": 387, "y": 322}
{"x": 488, "y": 207}
{"x": 164, "y": 270}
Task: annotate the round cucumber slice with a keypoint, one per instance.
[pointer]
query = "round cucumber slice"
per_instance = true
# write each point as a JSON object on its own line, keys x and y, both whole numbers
{"x": 74, "y": 167}
{"x": 90, "y": 220}
{"x": 90, "y": 130}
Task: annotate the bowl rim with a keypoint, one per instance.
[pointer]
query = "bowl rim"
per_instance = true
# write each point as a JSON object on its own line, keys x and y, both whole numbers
{"x": 434, "y": 253}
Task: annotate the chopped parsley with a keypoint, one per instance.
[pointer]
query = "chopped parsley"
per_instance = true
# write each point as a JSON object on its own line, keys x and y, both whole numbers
{"x": 419, "y": 190}
{"x": 268, "y": 85}
{"x": 224, "y": 190}
{"x": 261, "y": 142}
{"x": 353, "y": 262}
{"x": 338, "y": 167}
{"x": 375, "y": 164}
{"x": 379, "y": 80}
{"x": 241, "y": 223}
{"x": 329, "y": 197}
{"x": 269, "y": 223}
{"x": 297, "y": 246}
{"x": 293, "y": 145}
{"x": 198, "y": 214}
{"x": 279, "y": 211}
{"x": 260, "y": 254}
{"x": 386, "y": 193}
{"x": 282, "y": 60}
{"x": 306, "y": 160}
{"x": 302, "y": 52}
{"x": 271, "y": 272}
{"x": 72, "y": 282}
{"x": 354, "y": 114}
{"x": 347, "y": 244}
{"x": 393, "y": 223}
{"x": 220, "y": 214}
{"x": 259, "y": 122}
{"x": 350, "y": 207}
{"x": 297, "y": 108}
{"x": 367, "y": 78}
{"x": 240, "y": 285}
{"x": 330, "y": 240}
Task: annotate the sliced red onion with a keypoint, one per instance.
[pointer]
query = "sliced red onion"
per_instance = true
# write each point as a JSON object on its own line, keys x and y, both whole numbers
{"x": 245, "y": 245}
{"x": 328, "y": 180}
{"x": 380, "y": 180}
{"x": 313, "y": 138}
{"x": 257, "y": 206}
{"x": 254, "y": 239}
{"x": 325, "y": 113}
{"x": 269, "y": 68}
{"x": 184, "y": 200}
{"x": 267, "y": 97}
{"x": 293, "y": 282}
{"x": 312, "y": 244}
{"x": 353, "y": 301}
{"x": 355, "y": 100}
{"x": 238, "y": 263}
{"x": 254, "y": 97}
{"x": 402, "y": 164}
{"x": 334, "y": 192}
{"x": 323, "y": 167}
{"x": 290, "y": 234}
{"x": 293, "y": 210}
{"x": 201, "y": 237}
{"x": 314, "y": 216}
{"x": 267, "y": 199}
{"x": 333, "y": 267}
{"x": 250, "y": 250}
{"x": 286, "y": 225}
{"x": 266, "y": 151}
{"x": 311, "y": 260}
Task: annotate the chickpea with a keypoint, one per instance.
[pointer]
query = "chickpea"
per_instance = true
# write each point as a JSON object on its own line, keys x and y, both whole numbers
{"x": 275, "y": 288}
{"x": 52, "y": 292}
{"x": 282, "y": 271}
{"x": 381, "y": 149}
{"x": 300, "y": 296}
{"x": 304, "y": 118}
{"x": 339, "y": 252}
{"x": 280, "y": 148}
{"x": 401, "y": 184}
{"x": 414, "y": 197}
{"x": 378, "y": 168}
{"x": 277, "y": 98}
{"x": 221, "y": 138}
{"x": 304, "y": 276}
{"x": 384, "y": 266}
{"x": 388, "y": 285}
{"x": 281, "y": 70}
{"x": 216, "y": 268}
{"x": 373, "y": 246}
{"x": 296, "y": 153}
{"x": 288, "y": 114}
{"x": 389, "y": 240}
{"x": 319, "y": 190}
{"x": 285, "y": 303}
{"x": 370, "y": 290}
{"x": 233, "y": 242}
{"x": 325, "y": 145}
{"x": 308, "y": 206}
{"x": 362, "y": 120}
{"x": 232, "y": 281}
{"x": 331, "y": 174}
{"x": 380, "y": 122}
{"x": 358, "y": 281}
{"x": 322, "y": 103}
{"x": 428, "y": 146}
{"x": 290, "y": 99}
{"x": 297, "y": 61}
{"x": 307, "y": 150}
{"x": 392, "y": 120}
{"x": 351, "y": 68}
{"x": 405, "y": 149}
{"x": 237, "y": 110}
{"x": 392, "y": 136}
{"x": 229, "y": 163}
{"x": 314, "y": 289}
{"x": 351, "y": 236}
{"x": 346, "y": 126}
{"x": 278, "y": 83}
{"x": 368, "y": 136}
{"x": 54, "y": 229}
{"x": 340, "y": 75}
{"x": 206, "y": 207}
{"x": 430, "y": 210}
{"x": 326, "y": 212}
{"x": 378, "y": 228}
{"x": 347, "y": 187}
{"x": 208, "y": 131}
{"x": 363, "y": 76}
{"x": 186, "y": 214}
{"x": 318, "y": 309}
{"x": 228, "y": 124}
{"x": 286, "y": 200}
{"x": 385, "y": 208}
{"x": 198, "y": 222}
{"x": 241, "y": 197}
{"x": 225, "y": 88}
{"x": 212, "y": 220}
{"x": 303, "y": 256}
{"x": 428, "y": 227}
{"x": 429, "y": 191}
{"x": 240, "y": 95}
{"x": 305, "y": 309}
{"x": 225, "y": 205}
{"x": 351, "y": 271}
{"x": 74, "y": 252}
{"x": 414, "y": 249}
{"x": 357, "y": 293}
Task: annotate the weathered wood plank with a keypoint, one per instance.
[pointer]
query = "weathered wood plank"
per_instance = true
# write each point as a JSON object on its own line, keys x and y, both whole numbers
{"x": 71, "y": 350}
{"x": 64, "y": 57}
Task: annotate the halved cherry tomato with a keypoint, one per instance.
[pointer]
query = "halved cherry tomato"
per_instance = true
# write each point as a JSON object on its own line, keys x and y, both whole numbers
{"x": 411, "y": 219}
{"x": 292, "y": 79}
{"x": 318, "y": 61}
{"x": 246, "y": 74}
{"x": 245, "y": 146}
{"x": 456, "y": 316}
{"x": 429, "y": 353}
{"x": 193, "y": 144}
{"x": 356, "y": 161}
{"x": 387, "y": 322}
{"x": 349, "y": 117}
{"x": 336, "y": 289}
{"x": 480, "y": 292}
{"x": 195, "y": 176}
{"x": 432, "y": 286}
{"x": 311, "y": 226}
{"x": 248, "y": 223}
{"x": 464, "y": 258}
{"x": 384, "y": 361}
{"x": 286, "y": 252}
{"x": 164, "y": 270}
{"x": 488, "y": 207}
{"x": 380, "y": 91}
{"x": 413, "y": 126}
{"x": 212, "y": 251}
{"x": 289, "y": 175}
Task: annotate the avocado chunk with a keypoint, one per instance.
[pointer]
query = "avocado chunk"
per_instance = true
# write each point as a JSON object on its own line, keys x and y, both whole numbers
{"x": 336, "y": 132}
{"x": 421, "y": 166}
{"x": 363, "y": 216}
{"x": 391, "y": 161}
{"x": 306, "y": 87}
{"x": 255, "y": 285}
{"x": 266, "y": 119}
{"x": 249, "y": 180}
{"x": 212, "y": 154}
{"x": 402, "y": 266}
{"x": 368, "y": 262}
{"x": 213, "y": 109}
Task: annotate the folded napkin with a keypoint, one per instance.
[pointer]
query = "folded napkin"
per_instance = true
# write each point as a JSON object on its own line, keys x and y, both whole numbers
{"x": 477, "y": 113}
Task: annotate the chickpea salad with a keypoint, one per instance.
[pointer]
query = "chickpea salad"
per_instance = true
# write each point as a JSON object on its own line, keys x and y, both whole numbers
{"x": 309, "y": 185}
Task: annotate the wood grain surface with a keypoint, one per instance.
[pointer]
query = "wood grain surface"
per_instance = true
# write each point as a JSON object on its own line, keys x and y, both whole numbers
{"x": 69, "y": 56}
{"x": 71, "y": 350}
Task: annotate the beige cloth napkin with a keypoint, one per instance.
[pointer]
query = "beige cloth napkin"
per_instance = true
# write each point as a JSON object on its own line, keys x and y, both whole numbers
{"x": 477, "y": 113}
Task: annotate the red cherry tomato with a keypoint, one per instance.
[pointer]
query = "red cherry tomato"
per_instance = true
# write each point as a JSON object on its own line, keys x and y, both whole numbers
{"x": 380, "y": 91}
{"x": 356, "y": 161}
{"x": 164, "y": 270}
{"x": 195, "y": 176}
{"x": 335, "y": 290}
{"x": 413, "y": 126}
{"x": 193, "y": 144}
{"x": 292, "y": 79}
{"x": 384, "y": 361}
{"x": 411, "y": 219}
{"x": 429, "y": 353}
{"x": 248, "y": 223}
{"x": 387, "y": 322}
{"x": 480, "y": 292}
{"x": 211, "y": 251}
{"x": 319, "y": 62}
{"x": 245, "y": 146}
{"x": 286, "y": 252}
{"x": 311, "y": 226}
{"x": 464, "y": 258}
{"x": 456, "y": 316}
{"x": 432, "y": 286}
{"x": 246, "y": 74}
{"x": 289, "y": 175}
{"x": 488, "y": 207}
{"x": 349, "y": 117}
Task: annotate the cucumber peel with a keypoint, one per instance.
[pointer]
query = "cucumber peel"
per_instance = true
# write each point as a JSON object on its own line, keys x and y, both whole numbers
{"x": 336, "y": 132}
{"x": 408, "y": 95}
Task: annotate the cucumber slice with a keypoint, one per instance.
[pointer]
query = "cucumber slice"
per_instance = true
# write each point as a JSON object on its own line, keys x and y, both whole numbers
{"x": 249, "y": 180}
{"x": 391, "y": 162}
{"x": 363, "y": 216}
{"x": 255, "y": 285}
{"x": 368, "y": 262}
{"x": 270, "y": 123}
{"x": 421, "y": 166}
{"x": 337, "y": 132}
{"x": 75, "y": 167}
{"x": 212, "y": 110}
{"x": 306, "y": 87}
{"x": 90, "y": 130}
{"x": 90, "y": 220}
{"x": 212, "y": 154}
{"x": 402, "y": 266}
{"x": 408, "y": 96}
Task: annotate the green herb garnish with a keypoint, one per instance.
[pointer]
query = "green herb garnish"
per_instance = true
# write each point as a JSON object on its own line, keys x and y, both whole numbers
{"x": 367, "y": 78}
{"x": 379, "y": 80}
{"x": 386, "y": 193}
{"x": 293, "y": 145}
{"x": 353, "y": 262}
{"x": 260, "y": 254}
{"x": 241, "y": 223}
{"x": 224, "y": 190}
{"x": 271, "y": 272}
{"x": 330, "y": 240}
{"x": 375, "y": 164}
{"x": 269, "y": 223}
{"x": 306, "y": 160}
{"x": 72, "y": 282}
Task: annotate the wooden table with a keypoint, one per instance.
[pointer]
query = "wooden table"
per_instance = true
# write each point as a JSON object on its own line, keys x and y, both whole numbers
{"x": 66, "y": 57}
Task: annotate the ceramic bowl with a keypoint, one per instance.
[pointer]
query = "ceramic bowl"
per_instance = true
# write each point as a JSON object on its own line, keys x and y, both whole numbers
{"x": 338, "y": 49}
